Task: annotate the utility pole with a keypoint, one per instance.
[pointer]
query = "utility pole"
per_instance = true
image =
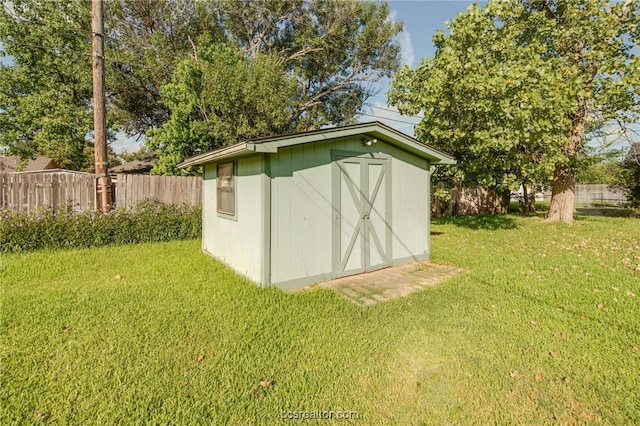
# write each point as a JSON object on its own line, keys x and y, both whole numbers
{"x": 103, "y": 186}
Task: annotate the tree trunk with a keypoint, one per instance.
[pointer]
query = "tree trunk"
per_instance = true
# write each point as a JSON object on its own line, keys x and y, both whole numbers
{"x": 564, "y": 182}
{"x": 562, "y": 195}
{"x": 529, "y": 198}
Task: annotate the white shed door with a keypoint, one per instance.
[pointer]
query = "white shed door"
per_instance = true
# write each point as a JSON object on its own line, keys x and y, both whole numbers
{"x": 361, "y": 230}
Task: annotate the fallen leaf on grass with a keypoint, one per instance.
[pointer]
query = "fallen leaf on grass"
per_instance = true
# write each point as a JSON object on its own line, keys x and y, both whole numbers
{"x": 566, "y": 379}
{"x": 538, "y": 376}
{"x": 600, "y": 306}
{"x": 513, "y": 373}
{"x": 65, "y": 328}
{"x": 562, "y": 335}
{"x": 583, "y": 316}
{"x": 259, "y": 392}
{"x": 117, "y": 277}
{"x": 200, "y": 358}
{"x": 533, "y": 322}
{"x": 630, "y": 293}
{"x": 553, "y": 354}
{"x": 265, "y": 383}
{"x": 615, "y": 288}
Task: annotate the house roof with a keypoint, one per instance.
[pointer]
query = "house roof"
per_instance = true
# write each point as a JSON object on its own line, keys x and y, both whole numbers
{"x": 375, "y": 130}
{"x": 10, "y": 163}
{"x": 136, "y": 166}
{"x": 40, "y": 163}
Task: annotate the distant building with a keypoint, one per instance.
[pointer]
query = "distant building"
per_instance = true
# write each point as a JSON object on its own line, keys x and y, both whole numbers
{"x": 11, "y": 163}
{"x": 142, "y": 167}
{"x": 633, "y": 155}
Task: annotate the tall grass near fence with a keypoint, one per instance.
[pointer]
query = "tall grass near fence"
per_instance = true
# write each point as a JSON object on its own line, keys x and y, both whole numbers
{"x": 148, "y": 221}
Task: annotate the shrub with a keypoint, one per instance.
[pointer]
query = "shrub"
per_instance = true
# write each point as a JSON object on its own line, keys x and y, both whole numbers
{"x": 150, "y": 220}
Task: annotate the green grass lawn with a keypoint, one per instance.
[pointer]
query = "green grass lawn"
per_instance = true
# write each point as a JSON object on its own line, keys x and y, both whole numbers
{"x": 544, "y": 328}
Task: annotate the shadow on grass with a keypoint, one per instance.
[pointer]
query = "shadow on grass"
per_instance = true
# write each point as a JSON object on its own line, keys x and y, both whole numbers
{"x": 604, "y": 211}
{"x": 485, "y": 221}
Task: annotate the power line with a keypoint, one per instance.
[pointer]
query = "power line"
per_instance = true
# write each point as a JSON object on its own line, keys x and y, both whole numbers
{"x": 388, "y": 119}
{"x": 391, "y": 110}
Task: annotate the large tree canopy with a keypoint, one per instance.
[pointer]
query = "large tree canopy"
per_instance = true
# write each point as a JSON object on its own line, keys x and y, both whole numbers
{"x": 221, "y": 97}
{"x": 45, "y": 97}
{"x": 332, "y": 52}
{"x": 295, "y": 65}
{"x": 514, "y": 88}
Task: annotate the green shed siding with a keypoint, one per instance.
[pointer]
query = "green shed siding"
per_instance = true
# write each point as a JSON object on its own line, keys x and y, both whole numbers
{"x": 236, "y": 241}
{"x": 302, "y": 213}
{"x": 411, "y": 206}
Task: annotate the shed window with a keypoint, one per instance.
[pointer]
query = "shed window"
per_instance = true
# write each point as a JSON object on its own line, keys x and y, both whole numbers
{"x": 226, "y": 189}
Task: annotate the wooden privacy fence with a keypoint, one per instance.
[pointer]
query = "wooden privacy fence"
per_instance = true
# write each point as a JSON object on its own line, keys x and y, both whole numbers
{"x": 56, "y": 189}
{"x": 468, "y": 201}
{"x": 27, "y": 191}
{"x": 130, "y": 189}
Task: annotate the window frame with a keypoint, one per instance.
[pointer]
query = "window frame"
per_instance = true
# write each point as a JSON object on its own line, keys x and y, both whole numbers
{"x": 219, "y": 188}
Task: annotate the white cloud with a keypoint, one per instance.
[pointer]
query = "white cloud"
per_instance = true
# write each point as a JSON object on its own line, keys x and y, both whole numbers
{"x": 406, "y": 48}
{"x": 404, "y": 40}
{"x": 124, "y": 143}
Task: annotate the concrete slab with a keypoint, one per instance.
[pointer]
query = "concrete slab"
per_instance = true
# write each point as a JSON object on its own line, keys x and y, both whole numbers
{"x": 386, "y": 284}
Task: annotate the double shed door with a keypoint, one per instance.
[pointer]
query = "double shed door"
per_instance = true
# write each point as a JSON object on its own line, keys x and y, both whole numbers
{"x": 362, "y": 214}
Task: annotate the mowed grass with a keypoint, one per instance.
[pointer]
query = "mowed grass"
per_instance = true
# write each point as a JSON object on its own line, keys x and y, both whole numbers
{"x": 544, "y": 328}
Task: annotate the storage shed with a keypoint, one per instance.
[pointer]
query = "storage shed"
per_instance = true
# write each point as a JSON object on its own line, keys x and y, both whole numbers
{"x": 303, "y": 208}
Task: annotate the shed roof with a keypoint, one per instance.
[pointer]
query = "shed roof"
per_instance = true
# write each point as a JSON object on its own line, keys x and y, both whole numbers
{"x": 373, "y": 129}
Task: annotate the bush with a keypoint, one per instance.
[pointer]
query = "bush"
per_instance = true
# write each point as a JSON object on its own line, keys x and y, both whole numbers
{"x": 150, "y": 220}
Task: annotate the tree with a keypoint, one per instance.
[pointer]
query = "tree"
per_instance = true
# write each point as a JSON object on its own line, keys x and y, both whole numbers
{"x": 144, "y": 153}
{"x": 631, "y": 175}
{"x": 601, "y": 167}
{"x": 328, "y": 51}
{"x": 514, "y": 88}
{"x": 145, "y": 41}
{"x": 333, "y": 50}
{"x": 44, "y": 97}
{"x": 219, "y": 98}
